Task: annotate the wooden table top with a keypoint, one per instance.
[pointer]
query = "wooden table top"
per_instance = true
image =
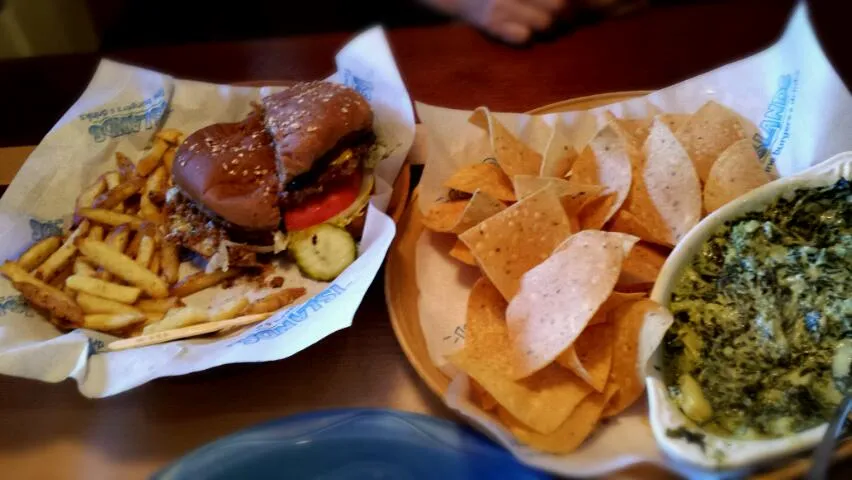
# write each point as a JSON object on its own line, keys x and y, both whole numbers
{"x": 50, "y": 431}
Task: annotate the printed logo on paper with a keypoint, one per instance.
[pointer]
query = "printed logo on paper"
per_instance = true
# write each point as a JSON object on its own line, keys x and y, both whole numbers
{"x": 457, "y": 335}
{"x": 15, "y": 304}
{"x": 95, "y": 346}
{"x": 775, "y": 125}
{"x": 364, "y": 87}
{"x": 41, "y": 230}
{"x": 126, "y": 119}
{"x": 285, "y": 321}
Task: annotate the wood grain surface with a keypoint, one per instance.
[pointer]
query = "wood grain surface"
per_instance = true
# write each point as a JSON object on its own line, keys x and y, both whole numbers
{"x": 50, "y": 431}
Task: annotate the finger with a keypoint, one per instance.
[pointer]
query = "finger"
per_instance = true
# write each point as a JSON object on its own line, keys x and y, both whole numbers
{"x": 549, "y": 5}
{"x": 523, "y": 14}
{"x": 511, "y": 32}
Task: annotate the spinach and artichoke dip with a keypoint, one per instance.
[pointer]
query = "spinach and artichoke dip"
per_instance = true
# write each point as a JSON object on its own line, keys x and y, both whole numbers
{"x": 763, "y": 315}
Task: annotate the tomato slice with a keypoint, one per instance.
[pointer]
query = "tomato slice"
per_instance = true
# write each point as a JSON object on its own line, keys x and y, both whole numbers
{"x": 320, "y": 208}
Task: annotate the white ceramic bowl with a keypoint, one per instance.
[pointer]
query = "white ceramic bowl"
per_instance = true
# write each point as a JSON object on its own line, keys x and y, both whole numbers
{"x": 720, "y": 452}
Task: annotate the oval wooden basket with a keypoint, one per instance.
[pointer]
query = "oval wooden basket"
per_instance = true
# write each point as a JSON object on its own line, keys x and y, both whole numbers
{"x": 401, "y": 293}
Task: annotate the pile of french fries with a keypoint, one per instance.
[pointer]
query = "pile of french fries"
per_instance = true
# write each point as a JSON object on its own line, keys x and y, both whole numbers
{"x": 114, "y": 271}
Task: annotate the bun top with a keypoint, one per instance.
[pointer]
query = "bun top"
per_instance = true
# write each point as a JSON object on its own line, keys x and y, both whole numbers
{"x": 229, "y": 169}
{"x": 307, "y": 120}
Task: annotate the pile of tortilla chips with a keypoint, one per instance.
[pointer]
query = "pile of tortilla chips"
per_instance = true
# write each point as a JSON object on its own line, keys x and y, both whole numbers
{"x": 569, "y": 245}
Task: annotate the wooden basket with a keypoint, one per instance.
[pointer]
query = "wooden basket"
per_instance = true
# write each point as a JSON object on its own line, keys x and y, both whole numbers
{"x": 401, "y": 293}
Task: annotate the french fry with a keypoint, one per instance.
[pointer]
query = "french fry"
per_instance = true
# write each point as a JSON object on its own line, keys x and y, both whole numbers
{"x": 124, "y": 267}
{"x": 112, "y": 321}
{"x": 133, "y": 246}
{"x": 42, "y": 295}
{"x": 87, "y": 197}
{"x": 113, "y": 179}
{"x": 156, "y": 184}
{"x": 153, "y": 317}
{"x": 169, "y": 135}
{"x": 93, "y": 304}
{"x": 82, "y": 267}
{"x": 146, "y": 251}
{"x": 101, "y": 288}
{"x": 169, "y": 262}
{"x": 115, "y": 196}
{"x": 96, "y": 232}
{"x": 58, "y": 280}
{"x": 186, "y": 332}
{"x": 169, "y": 159}
{"x": 16, "y": 274}
{"x": 153, "y": 195}
{"x": 63, "y": 255}
{"x": 199, "y": 281}
{"x": 38, "y": 253}
{"x": 118, "y": 238}
{"x": 149, "y": 212}
{"x": 274, "y": 301}
{"x": 109, "y": 217}
{"x": 125, "y": 166}
{"x": 159, "y": 305}
{"x": 152, "y": 160}
{"x": 230, "y": 309}
{"x": 154, "y": 264}
{"x": 178, "y": 318}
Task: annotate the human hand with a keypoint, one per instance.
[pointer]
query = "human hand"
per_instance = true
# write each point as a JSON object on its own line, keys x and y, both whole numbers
{"x": 513, "y": 21}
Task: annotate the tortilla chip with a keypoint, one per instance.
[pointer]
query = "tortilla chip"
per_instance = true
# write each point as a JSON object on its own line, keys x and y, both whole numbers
{"x": 486, "y": 333}
{"x": 626, "y": 222}
{"x": 576, "y": 196}
{"x": 542, "y": 402}
{"x": 646, "y": 218}
{"x": 513, "y": 156}
{"x": 442, "y": 217}
{"x": 559, "y": 154}
{"x": 671, "y": 182}
{"x": 627, "y": 366}
{"x": 590, "y": 358}
{"x": 593, "y": 214}
{"x": 638, "y": 128}
{"x": 737, "y": 171}
{"x": 488, "y": 357}
{"x": 520, "y": 237}
{"x": 571, "y": 433}
{"x": 597, "y": 319}
{"x": 558, "y": 297}
{"x": 606, "y": 162}
{"x": 482, "y": 397}
{"x": 640, "y": 268}
{"x": 635, "y": 129}
{"x": 480, "y": 207}
{"x": 461, "y": 253}
{"x": 617, "y": 299}
{"x": 707, "y": 133}
{"x": 526, "y": 185}
{"x": 673, "y": 120}
{"x": 485, "y": 177}
{"x": 572, "y": 194}
{"x": 458, "y": 216}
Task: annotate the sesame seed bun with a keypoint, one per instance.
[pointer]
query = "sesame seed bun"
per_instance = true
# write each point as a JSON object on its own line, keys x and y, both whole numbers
{"x": 308, "y": 120}
{"x": 229, "y": 169}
